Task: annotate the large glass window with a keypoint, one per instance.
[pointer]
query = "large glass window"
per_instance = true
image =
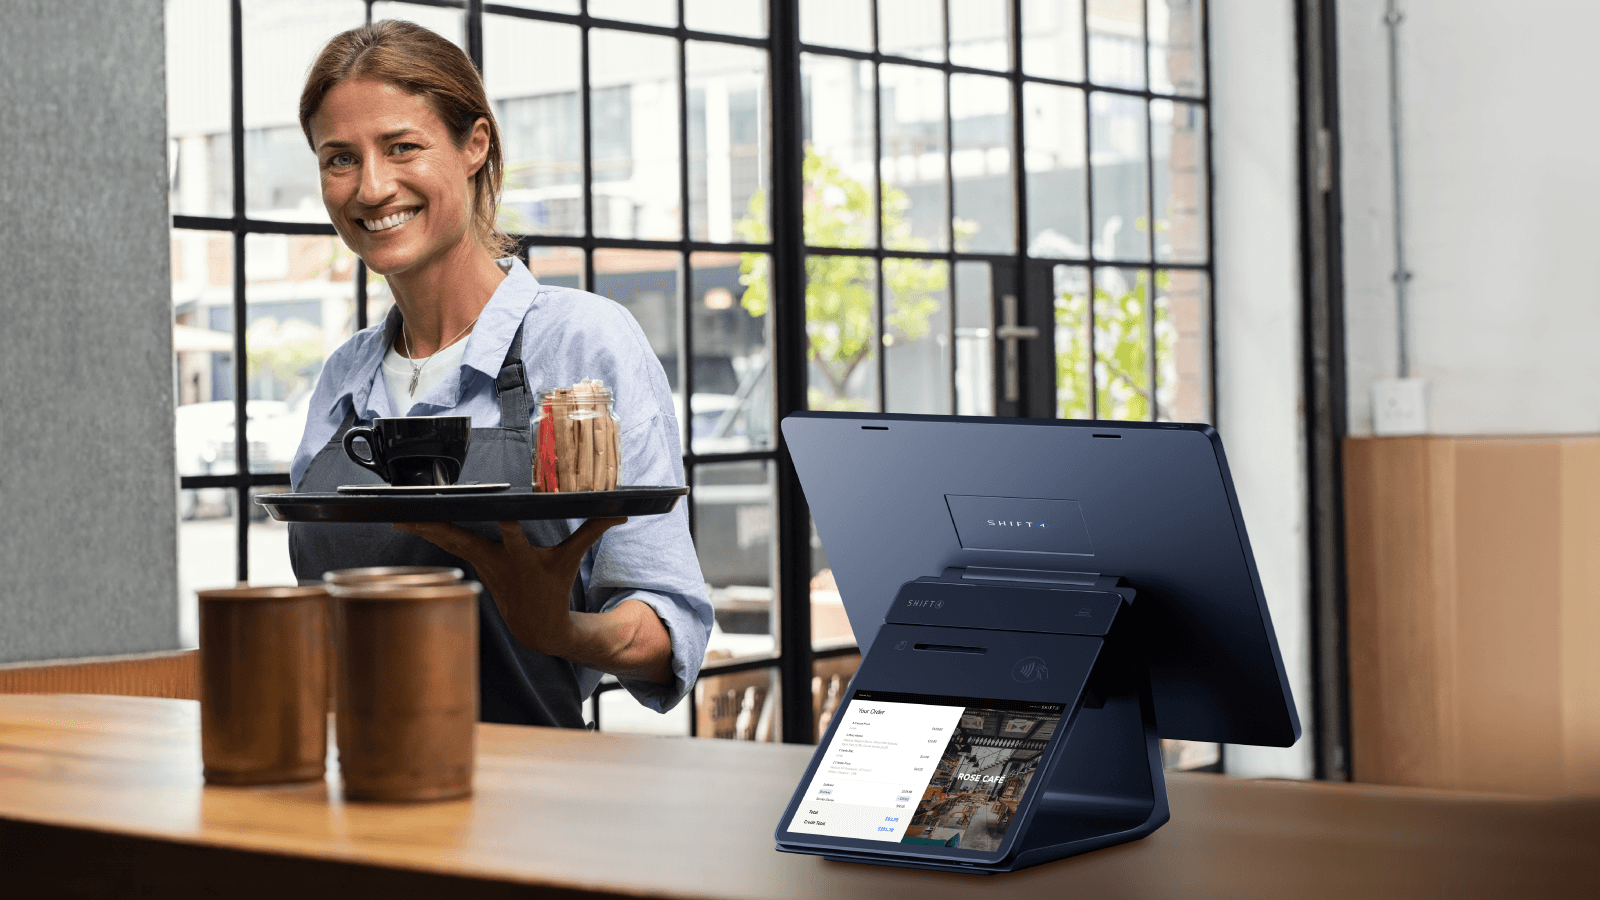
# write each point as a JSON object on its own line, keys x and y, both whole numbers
{"x": 1002, "y": 209}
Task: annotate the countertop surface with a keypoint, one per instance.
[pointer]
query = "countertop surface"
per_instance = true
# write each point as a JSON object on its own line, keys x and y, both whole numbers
{"x": 116, "y": 781}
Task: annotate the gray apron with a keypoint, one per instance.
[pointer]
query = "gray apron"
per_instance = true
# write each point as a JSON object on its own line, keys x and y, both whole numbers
{"x": 516, "y": 686}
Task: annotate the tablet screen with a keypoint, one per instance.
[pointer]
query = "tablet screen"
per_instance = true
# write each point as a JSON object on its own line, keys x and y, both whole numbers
{"x": 947, "y": 772}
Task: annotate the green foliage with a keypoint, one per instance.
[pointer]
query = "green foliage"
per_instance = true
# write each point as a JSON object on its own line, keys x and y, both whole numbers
{"x": 1121, "y": 367}
{"x": 840, "y": 290}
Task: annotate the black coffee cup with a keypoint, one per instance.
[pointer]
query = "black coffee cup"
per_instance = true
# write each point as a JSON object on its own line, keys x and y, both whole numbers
{"x": 413, "y": 451}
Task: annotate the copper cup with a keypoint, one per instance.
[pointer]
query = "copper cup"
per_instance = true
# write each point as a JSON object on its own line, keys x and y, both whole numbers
{"x": 263, "y": 684}
{"x": 407, "y": 689}
{"x": 397, "y": 575}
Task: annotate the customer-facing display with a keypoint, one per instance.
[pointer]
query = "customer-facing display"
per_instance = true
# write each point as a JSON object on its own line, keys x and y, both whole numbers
{"x": 947, "y": 772}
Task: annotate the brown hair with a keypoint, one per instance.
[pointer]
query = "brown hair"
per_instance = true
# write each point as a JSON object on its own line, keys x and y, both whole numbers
{"x": 424, "y": 64}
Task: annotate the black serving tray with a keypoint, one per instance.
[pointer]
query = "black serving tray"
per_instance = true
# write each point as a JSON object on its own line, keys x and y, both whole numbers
{"x": 515, "y": 505}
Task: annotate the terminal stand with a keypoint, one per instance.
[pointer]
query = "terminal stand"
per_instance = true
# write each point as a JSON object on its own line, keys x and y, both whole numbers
{"x": 1105, "y": 784}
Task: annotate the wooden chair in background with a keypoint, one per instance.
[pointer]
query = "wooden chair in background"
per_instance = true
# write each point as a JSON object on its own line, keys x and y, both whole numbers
{"x": 170, "y": 673}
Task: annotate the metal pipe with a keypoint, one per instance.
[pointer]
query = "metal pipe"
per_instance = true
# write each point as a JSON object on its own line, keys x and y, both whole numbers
{"x": 1392, "y": 18}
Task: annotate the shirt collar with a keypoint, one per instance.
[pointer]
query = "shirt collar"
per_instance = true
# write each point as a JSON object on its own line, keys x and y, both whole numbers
{"x": 485, "y": 351}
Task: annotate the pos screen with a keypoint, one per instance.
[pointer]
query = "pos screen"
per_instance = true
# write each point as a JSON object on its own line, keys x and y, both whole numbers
{"x": 949, "y": 775}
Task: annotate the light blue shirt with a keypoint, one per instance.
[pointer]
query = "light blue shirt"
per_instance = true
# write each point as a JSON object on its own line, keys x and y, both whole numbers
{"x": 568, "y": 335}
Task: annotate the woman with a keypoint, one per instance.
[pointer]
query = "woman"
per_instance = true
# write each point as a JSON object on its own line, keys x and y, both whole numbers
{"x": 410, "y": 164}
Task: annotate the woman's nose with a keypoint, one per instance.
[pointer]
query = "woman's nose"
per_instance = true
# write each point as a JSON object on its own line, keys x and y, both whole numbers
{"x": 377, "y": 182}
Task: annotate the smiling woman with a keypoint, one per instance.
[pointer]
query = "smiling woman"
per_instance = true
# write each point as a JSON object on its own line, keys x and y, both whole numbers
{"x": 410, "y": 171}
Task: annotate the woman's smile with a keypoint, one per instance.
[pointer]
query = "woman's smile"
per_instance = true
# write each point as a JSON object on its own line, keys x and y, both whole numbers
{"x": 389, "y": 223}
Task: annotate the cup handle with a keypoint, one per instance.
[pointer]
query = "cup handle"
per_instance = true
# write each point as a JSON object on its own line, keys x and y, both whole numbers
{"x": 376, "y": 463}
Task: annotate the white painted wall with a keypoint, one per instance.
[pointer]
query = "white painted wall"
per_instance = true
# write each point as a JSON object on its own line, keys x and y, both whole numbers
{"x": 1501, "y": 193}
{"x": 1259, "y": 379}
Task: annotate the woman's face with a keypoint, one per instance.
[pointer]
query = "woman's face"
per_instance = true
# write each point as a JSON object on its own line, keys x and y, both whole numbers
{"x": 397, "y": 188}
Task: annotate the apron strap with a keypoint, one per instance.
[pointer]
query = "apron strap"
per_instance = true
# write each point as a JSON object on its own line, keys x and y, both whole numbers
{"x": 512, "y": 386}
{"x": 349, "y": 420}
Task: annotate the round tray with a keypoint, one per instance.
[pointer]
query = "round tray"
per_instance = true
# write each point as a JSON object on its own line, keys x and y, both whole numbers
{"x": 514, "y": 505}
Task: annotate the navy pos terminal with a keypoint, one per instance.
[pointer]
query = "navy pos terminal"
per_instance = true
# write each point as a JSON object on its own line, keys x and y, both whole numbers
{"x": 1040, "y": 599}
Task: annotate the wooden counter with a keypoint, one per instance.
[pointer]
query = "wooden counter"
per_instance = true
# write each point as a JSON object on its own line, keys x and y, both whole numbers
{"x": 102, "y": 796}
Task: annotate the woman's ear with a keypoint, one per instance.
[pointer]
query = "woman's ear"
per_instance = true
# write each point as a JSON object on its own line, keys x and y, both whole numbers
{"x": 477, "y": 146}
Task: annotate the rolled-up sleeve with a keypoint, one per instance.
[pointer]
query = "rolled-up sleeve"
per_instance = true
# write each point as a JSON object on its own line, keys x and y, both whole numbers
{"x": 652, "y": 559}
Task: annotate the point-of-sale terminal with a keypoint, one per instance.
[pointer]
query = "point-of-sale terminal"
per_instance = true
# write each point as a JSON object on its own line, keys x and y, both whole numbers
{"x": 1038, "y": 601}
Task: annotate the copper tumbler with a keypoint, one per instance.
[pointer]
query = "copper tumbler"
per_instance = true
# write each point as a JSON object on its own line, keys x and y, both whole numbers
{"x": 407, "y": 689}
{"x": 263, "y": 684}
{"x": 394, "y": 575}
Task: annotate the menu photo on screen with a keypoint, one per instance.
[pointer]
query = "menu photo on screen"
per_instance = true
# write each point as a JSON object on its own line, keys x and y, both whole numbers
{"x": 948, "y": 774}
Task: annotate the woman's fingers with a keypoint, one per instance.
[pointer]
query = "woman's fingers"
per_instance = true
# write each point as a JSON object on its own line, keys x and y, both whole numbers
{"x": 450, "y": 538}
{"x": 579, "y": 542}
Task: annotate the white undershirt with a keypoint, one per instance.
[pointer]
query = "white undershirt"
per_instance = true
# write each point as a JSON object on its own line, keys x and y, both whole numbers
{"x": 397, "y": 373}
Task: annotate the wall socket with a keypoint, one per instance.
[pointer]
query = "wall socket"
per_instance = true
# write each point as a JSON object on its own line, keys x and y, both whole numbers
{"x": 1399, "y": 406}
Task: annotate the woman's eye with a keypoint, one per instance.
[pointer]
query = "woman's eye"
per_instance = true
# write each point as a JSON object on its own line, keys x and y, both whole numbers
{"x": 340, "y": 160}
{"x": 406, "y": 148}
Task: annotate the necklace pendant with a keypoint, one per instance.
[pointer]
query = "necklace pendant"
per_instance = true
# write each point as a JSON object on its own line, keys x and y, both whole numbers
{"x": 415, "y": 374}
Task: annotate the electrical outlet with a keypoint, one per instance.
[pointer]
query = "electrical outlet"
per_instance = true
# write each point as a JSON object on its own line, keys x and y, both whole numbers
{"x": 1399, "y": 406}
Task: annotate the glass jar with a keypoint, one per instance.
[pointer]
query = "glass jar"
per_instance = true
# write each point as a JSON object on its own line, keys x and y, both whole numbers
{"x": 577, "y": 444}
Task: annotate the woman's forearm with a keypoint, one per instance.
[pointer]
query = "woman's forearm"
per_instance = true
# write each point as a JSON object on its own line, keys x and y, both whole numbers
{"x": 628, "y": 641}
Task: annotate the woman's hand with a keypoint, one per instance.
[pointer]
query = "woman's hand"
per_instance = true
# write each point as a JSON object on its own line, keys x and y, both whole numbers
{"x": 531, "y": 586}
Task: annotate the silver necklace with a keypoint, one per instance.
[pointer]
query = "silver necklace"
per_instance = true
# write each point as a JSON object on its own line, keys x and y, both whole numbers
{"x": 416, "y": 370}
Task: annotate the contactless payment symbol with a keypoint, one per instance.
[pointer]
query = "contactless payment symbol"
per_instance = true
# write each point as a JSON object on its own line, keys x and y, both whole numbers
{"x": 1030, "y": 668}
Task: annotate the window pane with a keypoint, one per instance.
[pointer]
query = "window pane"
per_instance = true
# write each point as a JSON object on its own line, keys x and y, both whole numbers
{"x": 1058, "y": 211}
{"x": 1052, "y": 39}
{"x": 742, "y": 706}
{"x": 300, "y": 306}
{"x": 728, "y": 143}
{"x": 1116, "y": 42}
{"x": 916, "y": 336}
{"x": 980, "y": 125}
{"x": 281, "y": 39}
{"x": 1073, "y": 387}
{"x": 746, "y": 17}
{"x": 208, "y": 552}
{"x": 1121, "y": 182}
{"x": 841, "y": 333}
{"x": 980, "y": 33}
{"x": 733, "y": 409}
{"x": 449, "y": 24}
{"x": 537, "y": 104}
{"x": 733, "y": 536}
{"x": 1178, "y": 137}
{"x": 830, "y": 678}
{"x": 1183, "y": 346}
{"x": 836, "y": 23}
{"x": 1176, "y": 64}
{"x": 633, "y": 109}
{"x": 202, "y": 339}
{"x": 621, "y": 714}
{"x": 915, "y": 207}
{"x": 974, "y": 340}
{"x": 840, "y": 206}
{"x": 560, "y": 6}
{"x": 646, "y": 283}
{"x": 562, "y": 266}
{"x": 913, "y": 28}
{"x": 199, "y": 149}
{"x": 1121, "y": 344}
{"x": 648, "y": 12}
